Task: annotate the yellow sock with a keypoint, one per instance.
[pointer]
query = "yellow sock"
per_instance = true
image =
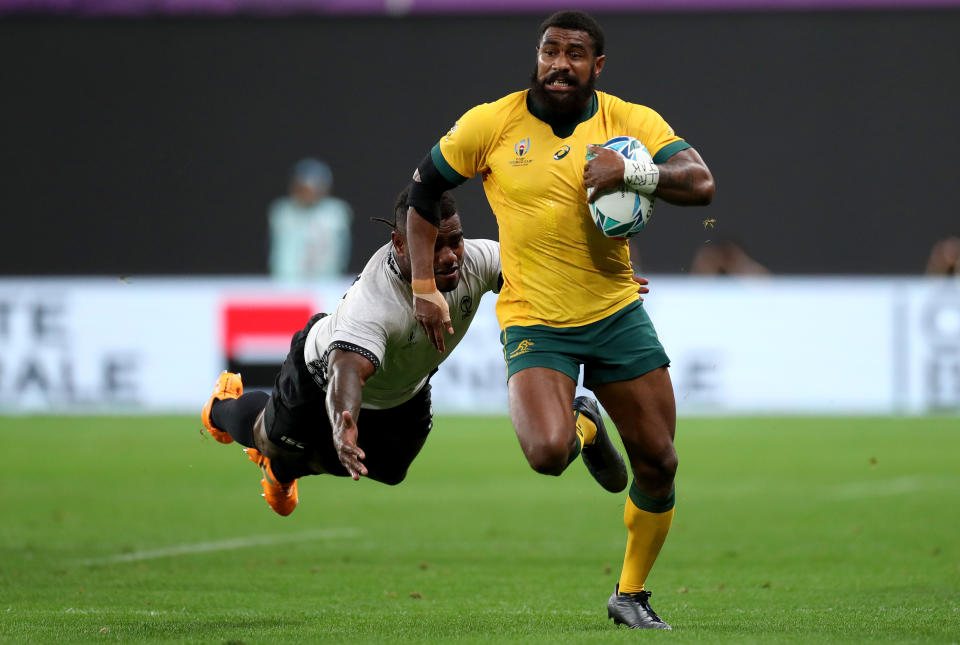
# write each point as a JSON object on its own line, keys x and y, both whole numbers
{"x": 646, "y": 532}
{"x": 586, "y": 429}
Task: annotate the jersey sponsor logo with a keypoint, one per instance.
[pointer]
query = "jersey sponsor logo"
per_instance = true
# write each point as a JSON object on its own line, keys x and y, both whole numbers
{"x": 561, "y": 153}
{"x": 451, "y": 131}
{"x": 524, "y": 347}
{"x": 392, "y": 265}
{"x": 318, "y": 370}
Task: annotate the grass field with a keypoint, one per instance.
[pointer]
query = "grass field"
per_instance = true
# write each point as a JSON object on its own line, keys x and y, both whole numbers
{"x": 787, "y": 531}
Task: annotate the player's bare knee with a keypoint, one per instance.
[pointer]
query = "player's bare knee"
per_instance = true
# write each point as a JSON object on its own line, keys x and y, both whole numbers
{"x": 657, "y": 471}
{"x": 548, "y": 457}
{"x": 667, "y": 465}
{"x": 663, "y": 465}
{"x": 547, "y": 464}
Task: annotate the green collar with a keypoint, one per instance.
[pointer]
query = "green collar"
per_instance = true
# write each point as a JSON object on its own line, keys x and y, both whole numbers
{"x": 563, "y": 130}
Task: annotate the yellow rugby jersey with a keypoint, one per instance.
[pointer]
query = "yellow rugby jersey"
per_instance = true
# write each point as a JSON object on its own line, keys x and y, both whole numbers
{"x": 558, "y": 269}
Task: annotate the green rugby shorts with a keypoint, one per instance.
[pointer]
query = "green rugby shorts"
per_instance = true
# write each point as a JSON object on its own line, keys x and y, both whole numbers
{"x": 620, "y": 347}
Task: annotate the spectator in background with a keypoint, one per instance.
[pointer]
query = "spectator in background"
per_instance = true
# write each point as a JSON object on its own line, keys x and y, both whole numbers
{"x": 309, "y": 228}
{"x": 944, "y": 257}
{"x": 725, "y": 257}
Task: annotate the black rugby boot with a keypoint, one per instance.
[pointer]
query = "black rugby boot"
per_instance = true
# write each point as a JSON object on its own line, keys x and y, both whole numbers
{"x": 633, "y": 610}
{"x": 601, "y": 457}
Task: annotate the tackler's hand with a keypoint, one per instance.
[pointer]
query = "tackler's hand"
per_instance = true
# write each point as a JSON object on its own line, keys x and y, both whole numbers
{"x": 432, "y": 314}
{"x": 345, "y": 441}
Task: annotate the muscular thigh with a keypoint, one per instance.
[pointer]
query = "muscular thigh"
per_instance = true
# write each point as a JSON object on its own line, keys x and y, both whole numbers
{"x": 541, "y": 404}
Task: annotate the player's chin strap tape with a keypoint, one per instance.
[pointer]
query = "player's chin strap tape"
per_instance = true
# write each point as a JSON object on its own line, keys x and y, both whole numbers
{"x": 641, "y": 176}
{"x": 427, "y": 188}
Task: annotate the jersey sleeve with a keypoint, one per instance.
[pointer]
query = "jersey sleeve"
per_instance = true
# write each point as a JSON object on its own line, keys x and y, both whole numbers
{"x": 359, "y": 329}
{"x": 656, "y": 134}
{"x": 462, "y": 152}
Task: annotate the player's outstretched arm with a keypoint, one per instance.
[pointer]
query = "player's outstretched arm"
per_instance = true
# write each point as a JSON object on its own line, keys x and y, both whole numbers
{"x": 430, "y": 309}
{"x": 346, "y": 375}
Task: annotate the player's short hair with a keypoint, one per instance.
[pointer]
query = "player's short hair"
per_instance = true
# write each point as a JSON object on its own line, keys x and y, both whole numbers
{"x": 576, "y": 20}
{"x": 448, "y": 208}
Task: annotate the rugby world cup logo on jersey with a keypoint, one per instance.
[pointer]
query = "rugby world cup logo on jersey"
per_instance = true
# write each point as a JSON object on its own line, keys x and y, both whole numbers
{"x": 466, "y": 307}
{"x": 521, "y": 148}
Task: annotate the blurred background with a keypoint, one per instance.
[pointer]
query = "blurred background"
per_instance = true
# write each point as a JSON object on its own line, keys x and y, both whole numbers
{"x": 151, "y": 150}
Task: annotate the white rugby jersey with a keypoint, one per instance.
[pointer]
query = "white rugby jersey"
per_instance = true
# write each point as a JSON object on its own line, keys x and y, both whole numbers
{"x": 375, "y": 319}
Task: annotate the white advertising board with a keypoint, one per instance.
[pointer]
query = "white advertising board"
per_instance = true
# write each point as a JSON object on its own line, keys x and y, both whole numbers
{"x": 758, "y": 346}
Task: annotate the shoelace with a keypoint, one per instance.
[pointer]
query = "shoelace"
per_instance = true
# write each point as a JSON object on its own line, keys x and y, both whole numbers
{"x": 643, "y": 598}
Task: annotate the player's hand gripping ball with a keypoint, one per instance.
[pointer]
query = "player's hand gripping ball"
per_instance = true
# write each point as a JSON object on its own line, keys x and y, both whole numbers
{"x": 622, "y": 213}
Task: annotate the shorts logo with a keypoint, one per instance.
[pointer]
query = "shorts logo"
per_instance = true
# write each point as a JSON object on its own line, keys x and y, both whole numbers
{"x": 561, "y": 153}
{"x": 292, "y": 442}
{"x": 522, "y": 348}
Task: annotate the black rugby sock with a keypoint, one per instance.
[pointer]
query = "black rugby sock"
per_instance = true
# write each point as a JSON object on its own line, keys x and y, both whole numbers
{"x": 237, "y": 416}
{"x": 286, "y": 470}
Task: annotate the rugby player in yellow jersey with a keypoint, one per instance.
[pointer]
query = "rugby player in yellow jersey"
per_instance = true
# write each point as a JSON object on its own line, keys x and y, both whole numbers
{"x": 568, "y": 298}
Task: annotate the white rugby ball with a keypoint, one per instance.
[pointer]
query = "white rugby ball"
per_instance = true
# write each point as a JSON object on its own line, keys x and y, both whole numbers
{"x": 622, "y": 213}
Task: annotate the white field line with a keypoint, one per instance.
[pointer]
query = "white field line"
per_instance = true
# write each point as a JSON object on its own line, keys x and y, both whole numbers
{"x": 219, "y": 545}
{"x": 898, "y": 486}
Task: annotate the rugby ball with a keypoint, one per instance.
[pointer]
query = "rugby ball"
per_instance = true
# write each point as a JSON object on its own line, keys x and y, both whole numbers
{"x": 622, "y": 213}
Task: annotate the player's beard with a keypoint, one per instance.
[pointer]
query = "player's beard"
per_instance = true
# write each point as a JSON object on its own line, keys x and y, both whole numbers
{"x": 566, "y": 107}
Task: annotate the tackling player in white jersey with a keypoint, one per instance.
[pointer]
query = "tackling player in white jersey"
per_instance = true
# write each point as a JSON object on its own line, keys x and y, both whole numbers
{"x": 369, "y": 354}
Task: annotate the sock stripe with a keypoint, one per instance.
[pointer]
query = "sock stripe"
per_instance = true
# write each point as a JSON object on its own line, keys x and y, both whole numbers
{"x": 651, "y": 504}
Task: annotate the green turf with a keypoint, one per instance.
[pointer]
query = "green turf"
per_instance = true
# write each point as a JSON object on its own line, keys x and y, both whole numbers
{"x": 787, "y": 531}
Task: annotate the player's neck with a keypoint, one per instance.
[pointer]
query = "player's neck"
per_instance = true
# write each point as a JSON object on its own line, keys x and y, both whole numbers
{"x": 562, "y": 125}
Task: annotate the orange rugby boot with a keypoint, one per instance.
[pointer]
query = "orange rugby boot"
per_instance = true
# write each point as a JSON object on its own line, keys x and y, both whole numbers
{"x": 228, "y": 386}
{"x": 282, "y": 498}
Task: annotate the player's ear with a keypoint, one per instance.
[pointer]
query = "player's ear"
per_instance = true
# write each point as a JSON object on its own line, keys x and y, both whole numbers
{"x": 598, "y": 64}
{"x": 399, "y": 244}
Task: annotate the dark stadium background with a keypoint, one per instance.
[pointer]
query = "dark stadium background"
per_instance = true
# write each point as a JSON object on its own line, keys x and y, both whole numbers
{"x": 153, "y": 146}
